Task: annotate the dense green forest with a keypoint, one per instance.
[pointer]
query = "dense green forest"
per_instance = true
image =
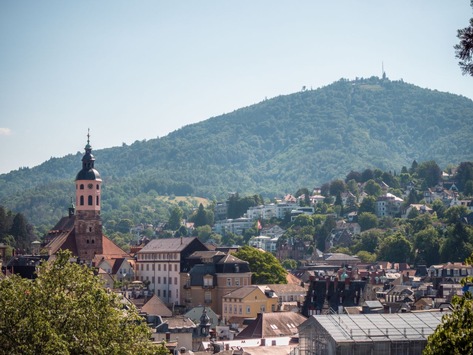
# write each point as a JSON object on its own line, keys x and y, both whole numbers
{"x": 304, "y": 139}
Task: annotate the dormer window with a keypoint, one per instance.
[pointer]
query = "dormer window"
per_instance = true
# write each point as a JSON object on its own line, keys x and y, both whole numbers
{"x": 208, "y": 281}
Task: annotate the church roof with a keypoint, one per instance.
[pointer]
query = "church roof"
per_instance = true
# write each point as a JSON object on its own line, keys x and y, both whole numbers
{"x": 88, "y": 174}
{"x": 64, "y": 238}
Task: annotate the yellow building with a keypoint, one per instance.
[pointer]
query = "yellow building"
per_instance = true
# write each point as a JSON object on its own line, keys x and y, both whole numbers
{"x": 248, "y": 301}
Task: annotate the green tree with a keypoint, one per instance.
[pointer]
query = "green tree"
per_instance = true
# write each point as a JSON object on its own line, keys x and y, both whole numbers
{"x": 21, "y": 232}
{"x": 439, "y": 208}
{"x": 367, "y": 220}
{"x": 66, "y": 310}
{"x": 455, "y": 214}
{"x": 305, "y": 192}
{"x": 366, "y": 257}
{"x": 372, "y": 188}
{"x": 395, "y": 248}
{"x": 337, "y": 187}
{"x": 455, "y": 334}
{"x": 369, "y": 240}
{"x": 464, "y": 173}
{"x": 124, "y": 225}
{"x": 289, "y": 264}
{"x": 468, "y": 189}
{"x": 324, "y": 231}
{"x": 427, "y": 246}
{"x": 430, "y": 172}
{"x": 458, "y": 243}
{"x": 265, "y": 268}
{"x": 464, "y": 49}
{"x": 175, "y": 218}
{"x": 200, "y": 218}
{"x": 367, "y": 205}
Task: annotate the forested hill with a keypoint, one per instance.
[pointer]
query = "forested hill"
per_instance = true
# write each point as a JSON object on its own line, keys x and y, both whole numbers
{"x": 273, "y": 147}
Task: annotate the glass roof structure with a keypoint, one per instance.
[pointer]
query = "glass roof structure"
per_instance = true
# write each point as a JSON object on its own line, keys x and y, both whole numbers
{"x": 379, "y": 327}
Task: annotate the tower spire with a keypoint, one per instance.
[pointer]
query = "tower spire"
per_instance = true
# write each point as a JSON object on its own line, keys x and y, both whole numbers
{"x": 88, "y": 146}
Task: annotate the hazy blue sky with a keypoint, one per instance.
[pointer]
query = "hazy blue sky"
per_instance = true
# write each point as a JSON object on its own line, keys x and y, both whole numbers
{"x": 134, "y": 70}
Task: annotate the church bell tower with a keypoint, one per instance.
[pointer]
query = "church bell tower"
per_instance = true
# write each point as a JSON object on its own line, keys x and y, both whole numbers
{"x": 88, "y": 223}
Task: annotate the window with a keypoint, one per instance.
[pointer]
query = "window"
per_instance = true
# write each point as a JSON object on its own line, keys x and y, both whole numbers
{"x": 175, "y": 281}
{"x": 225, "y": 309}
{"x": 164, "y": 280}
{"x": 153, "y": 266}
{"x": 90, "y": 200}
{"x": 263, "y": 308}
{"x": 82, "y": 200}
{"x": 159, "y": 293}
{"x": 159, "y": 267}
{"x": 175, "y": 267}
{"x": 164, "y": 267}
{"x": 240, "y": 309}
{"x": 82, "y": 186}
{"x": 159, "y": 279}
{"x": 208, "y": 297}
{"x": 164, "y": 293}
{"x": 237, "y": 282}
{"x": 169, "y": 280}
{"x": 229, "y": 282}
{"x": 147, "y": 267}
{"x": 97, "y": 200}
{"x": 169, "y": 294}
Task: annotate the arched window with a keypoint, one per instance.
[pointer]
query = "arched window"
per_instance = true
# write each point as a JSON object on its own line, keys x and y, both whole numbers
{"x": 90, "y": 202}
{"x": 82, "y": 200}
{"x": 82, "y": 186}
{"x": 98, "y": 187}
{"x": 97, "y": 200}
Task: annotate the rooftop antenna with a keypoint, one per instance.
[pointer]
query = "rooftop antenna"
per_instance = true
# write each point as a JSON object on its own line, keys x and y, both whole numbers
{"x": 382, "y": 70}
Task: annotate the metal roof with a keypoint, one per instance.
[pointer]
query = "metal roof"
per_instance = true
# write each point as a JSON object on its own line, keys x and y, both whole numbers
{"x": 379, "y": 327}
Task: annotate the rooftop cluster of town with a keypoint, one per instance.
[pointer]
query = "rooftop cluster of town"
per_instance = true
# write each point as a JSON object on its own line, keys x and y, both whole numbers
{"x": 200, "y": 297}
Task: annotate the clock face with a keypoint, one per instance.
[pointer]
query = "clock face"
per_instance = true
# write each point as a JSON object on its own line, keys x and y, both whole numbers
{"x": 90, "y": 186}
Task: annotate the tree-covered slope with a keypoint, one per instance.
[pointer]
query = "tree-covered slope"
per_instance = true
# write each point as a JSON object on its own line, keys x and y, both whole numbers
{"x": 275, "y": 146}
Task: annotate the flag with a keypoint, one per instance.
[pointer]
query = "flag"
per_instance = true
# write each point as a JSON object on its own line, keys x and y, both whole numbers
{"x": 259, "y": 225}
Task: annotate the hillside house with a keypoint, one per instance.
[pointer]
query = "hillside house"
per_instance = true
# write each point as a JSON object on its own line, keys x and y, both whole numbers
{"x": 388, "y": 205}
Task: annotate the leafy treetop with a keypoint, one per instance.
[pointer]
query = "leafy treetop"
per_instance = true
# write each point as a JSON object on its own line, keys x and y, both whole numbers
{"x": 66, "y": 310}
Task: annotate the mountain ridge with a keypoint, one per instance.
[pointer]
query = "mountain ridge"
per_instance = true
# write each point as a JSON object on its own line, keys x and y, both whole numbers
{"x": 275, "y": 146}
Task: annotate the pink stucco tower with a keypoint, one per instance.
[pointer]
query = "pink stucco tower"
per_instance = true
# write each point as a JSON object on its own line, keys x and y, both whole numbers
{"x": 88, "y": 223}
